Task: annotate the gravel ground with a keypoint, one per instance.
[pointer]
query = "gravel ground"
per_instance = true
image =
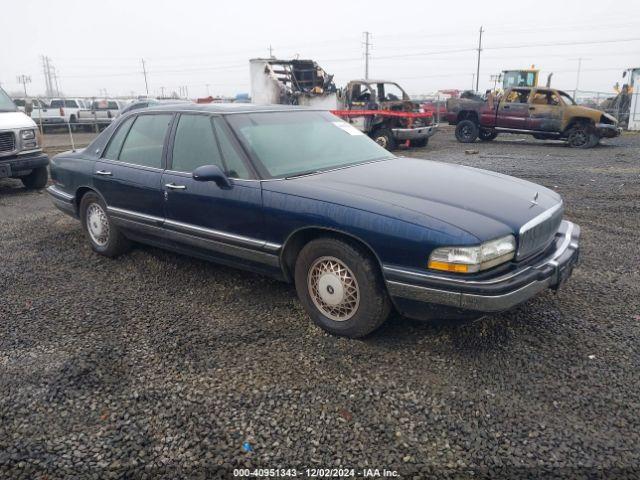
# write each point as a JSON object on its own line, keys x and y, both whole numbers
{"x": 157, "y": 364}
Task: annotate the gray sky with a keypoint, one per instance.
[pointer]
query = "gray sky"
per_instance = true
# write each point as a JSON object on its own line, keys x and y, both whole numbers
{"x": 422, "y": 44}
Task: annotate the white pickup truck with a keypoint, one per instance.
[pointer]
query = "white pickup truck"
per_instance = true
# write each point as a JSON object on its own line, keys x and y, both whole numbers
{"x": 20, "y": 152}
{"x": 100, "y": 112}
{"x": 69, "y": 108}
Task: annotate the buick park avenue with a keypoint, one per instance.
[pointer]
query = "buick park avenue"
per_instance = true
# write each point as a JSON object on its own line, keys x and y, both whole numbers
{"x": 303, "y": 196}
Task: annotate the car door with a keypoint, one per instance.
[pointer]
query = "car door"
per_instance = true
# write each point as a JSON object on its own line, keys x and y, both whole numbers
{"x": 227, "y": 222}
{"x": 545, "y": 111}
{"x": 129, "y": 174}
{"x": 513, "y": 110}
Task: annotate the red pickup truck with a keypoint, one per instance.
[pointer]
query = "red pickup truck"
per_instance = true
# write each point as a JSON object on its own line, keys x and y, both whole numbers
{"x": 545, "y": 113}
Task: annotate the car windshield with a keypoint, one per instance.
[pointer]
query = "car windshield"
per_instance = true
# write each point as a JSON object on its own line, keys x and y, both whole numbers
{"x": 6, "y": 104}
{"x": 286, "y": 144}
{"x": 567, "y": 98}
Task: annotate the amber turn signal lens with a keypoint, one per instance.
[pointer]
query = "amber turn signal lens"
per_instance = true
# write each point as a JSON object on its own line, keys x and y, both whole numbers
{"x": 449, "y": 267}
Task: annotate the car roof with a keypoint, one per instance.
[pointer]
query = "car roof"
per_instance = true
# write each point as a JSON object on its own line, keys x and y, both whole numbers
{"x": 228, "y": 107}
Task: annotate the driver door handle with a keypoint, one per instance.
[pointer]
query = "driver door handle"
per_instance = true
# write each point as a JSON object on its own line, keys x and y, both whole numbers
{"x": 173, "y": 186}
{"x": 104, "y": 173}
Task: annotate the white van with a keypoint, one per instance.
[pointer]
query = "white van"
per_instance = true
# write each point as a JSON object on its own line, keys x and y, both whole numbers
{"x": 20, "y": 153}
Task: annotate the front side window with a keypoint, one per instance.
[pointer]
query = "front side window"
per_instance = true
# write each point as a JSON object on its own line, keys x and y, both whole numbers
{"x": 390, "y": 92}
{"x": 292, "y": 143}
{"x": 567, "y": 98}
{"x": 234, "y": 164}
{"x": 517, "y": 96}
{"x": 195, "y": 144}
{"x": 144, "y": 143}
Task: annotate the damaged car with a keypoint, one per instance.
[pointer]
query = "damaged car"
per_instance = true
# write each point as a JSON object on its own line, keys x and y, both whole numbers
{"x": 544, "y": 113}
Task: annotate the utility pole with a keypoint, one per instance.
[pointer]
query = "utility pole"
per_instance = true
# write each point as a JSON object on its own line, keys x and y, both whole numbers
{"x": 478, "y": 68}
{"x": 161, "y": 92}
{"x": 207, "y": 85}
{"x": 367, "y": 45}
{"x": 47, "y": 76}
{"x": 144, "y": 71}
{"x": 24, "y": 79}
{"x": 580, "y": 59}
{"x": 271, "y": 52}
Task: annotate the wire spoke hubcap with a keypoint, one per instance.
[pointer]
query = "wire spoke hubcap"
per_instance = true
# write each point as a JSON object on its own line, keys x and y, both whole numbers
{"x": 97, "y": 224}
{"x": 333, "y": 288}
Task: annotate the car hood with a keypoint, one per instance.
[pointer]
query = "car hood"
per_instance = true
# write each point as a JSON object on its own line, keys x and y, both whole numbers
{"x": 10, "y": 120}
{"x": 482, "y": 203}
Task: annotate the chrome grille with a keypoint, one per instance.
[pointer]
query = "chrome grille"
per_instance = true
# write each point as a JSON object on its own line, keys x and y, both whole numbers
{"x": 7, "y": 142}
{"x": 538, "y": 233}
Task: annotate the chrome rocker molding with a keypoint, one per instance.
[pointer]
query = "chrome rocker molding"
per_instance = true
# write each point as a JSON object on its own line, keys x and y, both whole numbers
{"x": 246, "y": 248}
{"x": 554, "y": 265}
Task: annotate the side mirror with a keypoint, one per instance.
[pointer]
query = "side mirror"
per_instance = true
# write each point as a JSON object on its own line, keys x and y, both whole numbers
{"x": 212, "y": 173}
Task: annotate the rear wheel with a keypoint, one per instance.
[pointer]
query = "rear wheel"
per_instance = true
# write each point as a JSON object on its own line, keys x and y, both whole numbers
{"x": 36, "y": 179}
{"x": 467, "y": 131}
{"x": 384, "y": 137}
{"x": 582, "y": 136}
{"x": 104, "y": 237}
{"x": 341, "y": 288}
{"x": 487, "y": 135}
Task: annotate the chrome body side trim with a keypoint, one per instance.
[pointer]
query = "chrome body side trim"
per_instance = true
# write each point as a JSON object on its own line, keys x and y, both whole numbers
{"x": 59, "y": 194}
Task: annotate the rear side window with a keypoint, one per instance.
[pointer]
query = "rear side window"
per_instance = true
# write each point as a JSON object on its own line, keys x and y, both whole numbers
{"x": 517, "y": 96}
{"x": 113, "y": 150}
{"x": 195, "y": 144}
{"x": 143, "y": 145}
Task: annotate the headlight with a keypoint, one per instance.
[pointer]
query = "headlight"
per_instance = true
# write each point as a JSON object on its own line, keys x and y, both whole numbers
{"x": 28, "y": 134}
{"x": 475, "y": 258}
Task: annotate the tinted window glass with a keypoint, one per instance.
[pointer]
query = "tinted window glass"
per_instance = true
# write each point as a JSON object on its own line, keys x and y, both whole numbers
{"x": 235, "y": 166}
{"x": 116, "y": 141}
{"x": 143, "y": 145}
{"x": 113, "y": 106}
{"x": 195, "y": 144}
{"x": 517, "y": 96}
{"x": 56, "y": 103}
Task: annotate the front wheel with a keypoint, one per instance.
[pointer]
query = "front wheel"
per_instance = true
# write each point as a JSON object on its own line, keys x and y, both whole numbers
{"x": 104, "y": 237}
{"x": 487, "y": 135}
{"x": 467, "y": 131}
{"x": 384, "y": 137}
{"x": 37, "y": 179}
{"x": 582, "y": 136}
{"x": 341, "y": 288}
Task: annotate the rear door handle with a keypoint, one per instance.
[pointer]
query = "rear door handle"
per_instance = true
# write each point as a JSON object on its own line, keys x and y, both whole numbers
{"x": 173, "y": 186}
{"x": 104, "y": 173}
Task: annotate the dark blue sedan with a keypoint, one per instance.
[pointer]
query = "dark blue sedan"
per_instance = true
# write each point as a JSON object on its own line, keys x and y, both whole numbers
{"x": 303, "y": 196}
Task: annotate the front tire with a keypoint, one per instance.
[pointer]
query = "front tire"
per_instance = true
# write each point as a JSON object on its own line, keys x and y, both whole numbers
{"x": 384, "y": 137}
{"x": 104, "y": 237}
{"x": 37, "y": 179}
{"x": 467, "y": 131}
{"x": 487, "y": 135}
{"x": 582, "y": 136}
{"x": 341, "y": 288}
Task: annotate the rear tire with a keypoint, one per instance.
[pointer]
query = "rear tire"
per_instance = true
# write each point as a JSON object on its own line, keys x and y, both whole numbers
{"x": 486, "y": 135}
{"x": 467, "y": 131}
{"x": 37, "y": 179}
{"x": 341, "y": 288}
{"x": 104, "y": 237}
{"x": 384, "y": 137}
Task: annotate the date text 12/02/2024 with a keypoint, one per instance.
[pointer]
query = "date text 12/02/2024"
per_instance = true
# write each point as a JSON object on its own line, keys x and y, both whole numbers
{"x": 316, "y": 472}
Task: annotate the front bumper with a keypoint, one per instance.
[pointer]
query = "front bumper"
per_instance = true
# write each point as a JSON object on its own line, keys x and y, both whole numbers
{"x": 606, "y": 130}
{"x": 414, "y": 133}
{"x": 17, "y": 165}
{"x": 409, "y": 289}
